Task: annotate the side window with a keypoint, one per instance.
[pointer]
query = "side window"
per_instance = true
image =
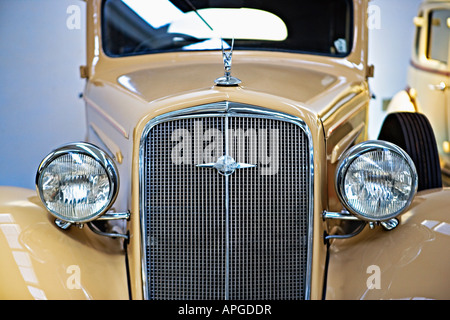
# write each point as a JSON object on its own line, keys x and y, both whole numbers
{"x": 418, "y": 21}
{"x": 438, "y": 36}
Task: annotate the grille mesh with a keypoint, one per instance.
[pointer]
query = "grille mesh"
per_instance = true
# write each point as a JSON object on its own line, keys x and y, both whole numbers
{"x": 238, "y": 237}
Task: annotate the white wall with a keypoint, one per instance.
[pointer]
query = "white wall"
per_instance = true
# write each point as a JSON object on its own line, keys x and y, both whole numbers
{"x": 39, "y": 77}
{"x": 39, "y": 84}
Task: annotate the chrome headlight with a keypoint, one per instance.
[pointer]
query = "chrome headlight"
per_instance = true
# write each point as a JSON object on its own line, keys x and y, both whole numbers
{"x": 376, "y": 180}
{"x": 77, "y": 183}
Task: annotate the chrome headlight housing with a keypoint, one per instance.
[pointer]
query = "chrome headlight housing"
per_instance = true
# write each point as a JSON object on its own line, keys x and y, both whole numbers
{"x": 77, "y": 183}
{"x": 376, "y": 180}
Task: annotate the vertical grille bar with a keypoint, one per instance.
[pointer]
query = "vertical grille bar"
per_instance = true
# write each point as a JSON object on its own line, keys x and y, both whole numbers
{"x": 244, "y": 236}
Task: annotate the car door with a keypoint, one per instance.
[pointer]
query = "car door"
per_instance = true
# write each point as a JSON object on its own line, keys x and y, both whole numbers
{"x": 429, "y": 73}
{"x": 438, "y": 52}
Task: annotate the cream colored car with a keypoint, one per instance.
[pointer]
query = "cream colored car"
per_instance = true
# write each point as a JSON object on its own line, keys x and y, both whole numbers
{"x": 226, "y": 158}
{"x": 428, "y": 77}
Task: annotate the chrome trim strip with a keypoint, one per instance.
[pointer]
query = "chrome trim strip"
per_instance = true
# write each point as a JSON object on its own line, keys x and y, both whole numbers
{"x": 227, "y": 219}
{"x": 343, "y": 215}
{"x": 115, "y": 216}
{"x": 225, "y": 109}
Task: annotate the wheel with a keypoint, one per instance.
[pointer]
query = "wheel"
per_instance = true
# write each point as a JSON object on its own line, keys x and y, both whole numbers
{"x": 413, "y": 133}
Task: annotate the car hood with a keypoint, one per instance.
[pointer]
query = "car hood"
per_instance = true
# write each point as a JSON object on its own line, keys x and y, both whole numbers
{"x": 302, "y": 81}
{"x": 126, "y": 92}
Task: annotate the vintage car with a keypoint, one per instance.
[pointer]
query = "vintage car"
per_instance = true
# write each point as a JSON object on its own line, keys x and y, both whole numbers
{"x": 227, "y": 158}
{"x": 428, "y": 75}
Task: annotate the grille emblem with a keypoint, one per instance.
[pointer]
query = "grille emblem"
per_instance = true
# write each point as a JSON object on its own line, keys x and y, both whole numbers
{"x": 226, "y": 165}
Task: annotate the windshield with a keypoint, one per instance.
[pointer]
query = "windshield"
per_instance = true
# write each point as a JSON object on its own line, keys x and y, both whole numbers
{"x": 132, "y": 27}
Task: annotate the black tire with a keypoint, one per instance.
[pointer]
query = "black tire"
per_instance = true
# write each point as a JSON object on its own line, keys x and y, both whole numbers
{"x": 413, "y": 133}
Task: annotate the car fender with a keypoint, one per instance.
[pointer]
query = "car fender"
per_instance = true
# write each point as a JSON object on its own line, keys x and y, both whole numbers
{"x": 38, "y": 260}
{"x": 403, "y": 101}
{"x": 410, "y": 262}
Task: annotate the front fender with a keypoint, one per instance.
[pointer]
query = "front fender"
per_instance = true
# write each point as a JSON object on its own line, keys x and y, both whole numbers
{"x": 40, "y": 261}
{"x": 402, "y": 102}
{"x": 409, "y": 262}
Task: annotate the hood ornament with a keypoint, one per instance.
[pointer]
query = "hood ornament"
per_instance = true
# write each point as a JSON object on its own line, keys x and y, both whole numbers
{"x": 227, "y": 80}
{"x": 226, "y": 165}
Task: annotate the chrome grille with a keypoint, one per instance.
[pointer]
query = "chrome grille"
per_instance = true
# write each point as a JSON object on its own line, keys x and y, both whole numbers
{"x": 210, "y": 236}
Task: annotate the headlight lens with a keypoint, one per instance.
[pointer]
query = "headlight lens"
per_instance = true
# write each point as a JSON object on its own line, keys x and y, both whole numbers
{"x": 376, "y": 180}
{"x": 77, "y": 182}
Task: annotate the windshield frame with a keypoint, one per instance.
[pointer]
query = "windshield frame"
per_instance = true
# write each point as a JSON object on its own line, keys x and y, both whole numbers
{"x": 350, "y": 43}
